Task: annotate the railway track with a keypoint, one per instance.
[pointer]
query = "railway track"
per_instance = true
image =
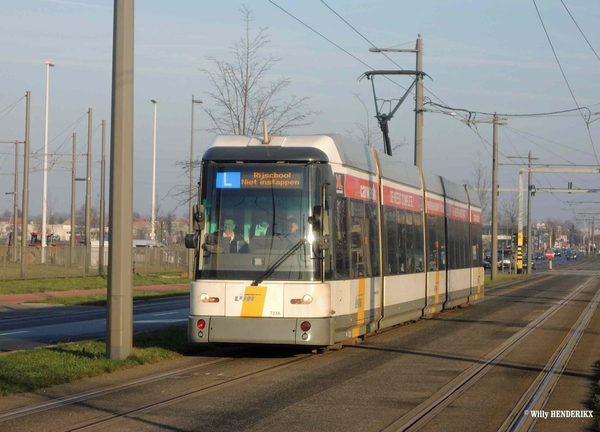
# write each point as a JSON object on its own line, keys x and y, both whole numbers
{"x": 538, "y": 393}
{"x": 534, "y": 399}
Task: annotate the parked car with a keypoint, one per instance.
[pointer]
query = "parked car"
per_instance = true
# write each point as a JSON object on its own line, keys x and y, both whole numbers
{"x": 540, "y": 256}
{"x": 505, "y": 262}
{"x": 487, "y": 263}
{"x": 571, "y": 255}
{"x": 525, "y": 263}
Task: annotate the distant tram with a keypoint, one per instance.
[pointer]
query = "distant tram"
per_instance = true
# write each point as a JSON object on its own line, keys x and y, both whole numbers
{"x": 313, "y": 240}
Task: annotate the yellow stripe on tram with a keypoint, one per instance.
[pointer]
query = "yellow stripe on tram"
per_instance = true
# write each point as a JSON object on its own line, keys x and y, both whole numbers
{"x": 254, "y": 301}
{"x": 360, "y": 318}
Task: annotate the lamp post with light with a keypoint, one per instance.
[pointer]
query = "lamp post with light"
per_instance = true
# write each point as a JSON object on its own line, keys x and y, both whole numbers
{"x": 45, "y": 186}
{"x": 191, "y": 217}
{"x": 152, "y": 232}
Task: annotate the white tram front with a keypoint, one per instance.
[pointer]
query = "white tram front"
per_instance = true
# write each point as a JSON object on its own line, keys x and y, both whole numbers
{"x": 312, "y": 240}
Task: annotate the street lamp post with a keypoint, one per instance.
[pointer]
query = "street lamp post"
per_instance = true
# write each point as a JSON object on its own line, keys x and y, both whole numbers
{"x": 152, "y": 232}
{"x": 191, "y": 220}
{"x": 45, "y": 187}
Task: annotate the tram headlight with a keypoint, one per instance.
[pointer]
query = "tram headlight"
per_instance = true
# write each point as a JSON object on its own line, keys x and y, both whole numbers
{"x": 307, "y": 299}
{"x": 204, "y": 297}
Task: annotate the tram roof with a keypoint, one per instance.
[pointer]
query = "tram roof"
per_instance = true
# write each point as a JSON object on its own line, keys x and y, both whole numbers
{"x": 333, "y": 148}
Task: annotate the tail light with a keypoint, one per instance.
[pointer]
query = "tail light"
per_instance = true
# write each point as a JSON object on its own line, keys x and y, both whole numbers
{"x": 305, "y": 326}
{"x": 201, "y": 324}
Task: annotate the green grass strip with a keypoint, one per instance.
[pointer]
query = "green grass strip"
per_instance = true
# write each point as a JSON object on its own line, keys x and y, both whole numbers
{"x": 25, "y": 371}
{"x": 100, "y": 299}
{"x": 78, "y": 283}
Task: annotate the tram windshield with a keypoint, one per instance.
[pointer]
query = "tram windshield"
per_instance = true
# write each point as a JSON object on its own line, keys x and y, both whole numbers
{"x": 255, "y": 215}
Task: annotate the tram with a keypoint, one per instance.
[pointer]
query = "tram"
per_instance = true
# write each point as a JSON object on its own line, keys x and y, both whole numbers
{"x": 313, "y": 240}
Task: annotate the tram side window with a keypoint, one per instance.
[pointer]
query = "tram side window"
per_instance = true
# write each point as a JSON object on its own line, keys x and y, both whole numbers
{"x": 401, "y": 253}
{"x": 419, "y": 250}
{"x": 342, "y": 266}
{"x": 373, "y": 237}
{"x": 476, "y": 245}
{"x": 410, "y": 243}
{"x": 466, "y": 245}
{"x": 441, "y": 239}
{"x": 357, "y": 244}
{"x": 391, "y": 242}
{"x": 451, "y": 246}
{"x": 432, "y": 243}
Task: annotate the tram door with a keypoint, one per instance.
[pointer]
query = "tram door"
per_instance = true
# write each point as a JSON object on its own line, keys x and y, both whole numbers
{"x": 364, "y": 258}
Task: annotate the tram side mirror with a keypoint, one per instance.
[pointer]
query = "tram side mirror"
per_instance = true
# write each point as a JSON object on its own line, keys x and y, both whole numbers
{"x": 315, "y": 219}
{"x": 190, "y": 241}
{"x": 198, "y": 211}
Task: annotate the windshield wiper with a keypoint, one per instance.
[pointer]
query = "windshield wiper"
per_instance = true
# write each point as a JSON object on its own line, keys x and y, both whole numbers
{"x": 277, "y": 263}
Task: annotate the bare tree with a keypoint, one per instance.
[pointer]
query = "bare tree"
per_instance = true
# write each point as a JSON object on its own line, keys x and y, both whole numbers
{"x": 481, "y": 182}
{"x": 509, "y": 212}
{"x": 242, "y": 98}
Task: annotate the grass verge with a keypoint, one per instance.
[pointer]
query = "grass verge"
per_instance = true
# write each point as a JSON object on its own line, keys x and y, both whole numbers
{"x": 100, "y": 299}
{"x": 25, "y": 371}
{"x": 77, "y": 283}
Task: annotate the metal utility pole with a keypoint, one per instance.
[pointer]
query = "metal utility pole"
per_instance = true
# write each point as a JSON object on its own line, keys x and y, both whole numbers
{"x": 494, "y": 269}
{"x": 16, "y": 205}
{"x": 529, "y": 194}
{"x": 152, "y": 216}
{"x": 73, "y": 195}
{"x": 192, "y": 192}
{"x": 419, "y": 106}
{"x": 88, "y": 192}
{"x": 102, "y": 195}
{"x": 383, "y": 118}
{"x": 25, "y": 206}
{"x": 119, "y": 322}
{"x": 45, "y": 185}
{"x": 495, "y": 121}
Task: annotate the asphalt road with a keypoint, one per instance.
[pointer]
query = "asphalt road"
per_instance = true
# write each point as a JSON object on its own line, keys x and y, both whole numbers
{"x": 29, "y": 326}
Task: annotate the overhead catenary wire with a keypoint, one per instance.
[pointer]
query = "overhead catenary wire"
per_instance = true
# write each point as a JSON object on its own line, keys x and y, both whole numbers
{"x": 580, "y": 31}
{"x": 565, "y": 78}
{"x": 11, "y": 107}
{"x": 521, "y": 133}
{"x": 373, "y": 45}
{"x": 330, "y": 41}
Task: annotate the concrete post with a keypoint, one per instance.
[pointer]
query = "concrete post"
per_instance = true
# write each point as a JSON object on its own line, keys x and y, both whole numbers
{"x": 119, "y": 322}
{"x": 25, "y": 206}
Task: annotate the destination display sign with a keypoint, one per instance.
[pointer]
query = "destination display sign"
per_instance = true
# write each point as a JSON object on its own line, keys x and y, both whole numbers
{"x": 260, "y": 179}
{"x": 458, "y": 212}
{"x": 401, "y": 199}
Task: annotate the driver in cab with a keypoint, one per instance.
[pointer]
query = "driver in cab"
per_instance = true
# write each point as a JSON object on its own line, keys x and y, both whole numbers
{"x": 228, "y": 240}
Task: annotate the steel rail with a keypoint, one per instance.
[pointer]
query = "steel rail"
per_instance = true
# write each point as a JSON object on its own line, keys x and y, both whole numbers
{"x": 537, "y": 395}
{"x": 185, "y": 395}
{"x": 423, "y": 413}
{"x": 87, "y": 395}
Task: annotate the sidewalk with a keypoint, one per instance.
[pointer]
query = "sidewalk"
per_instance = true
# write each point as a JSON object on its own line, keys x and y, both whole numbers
{"x": 11, "y": 299}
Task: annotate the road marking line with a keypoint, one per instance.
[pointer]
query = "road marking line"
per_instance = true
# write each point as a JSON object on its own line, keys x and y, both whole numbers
{"x": 165, "y": 313}
{"x": 6, "y": 334}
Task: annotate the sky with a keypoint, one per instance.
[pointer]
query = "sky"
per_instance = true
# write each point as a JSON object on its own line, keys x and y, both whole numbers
{"x": 479, "y": 56}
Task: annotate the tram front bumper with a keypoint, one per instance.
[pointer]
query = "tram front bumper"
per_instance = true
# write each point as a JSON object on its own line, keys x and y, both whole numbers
{"x": 286, "y": 331}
